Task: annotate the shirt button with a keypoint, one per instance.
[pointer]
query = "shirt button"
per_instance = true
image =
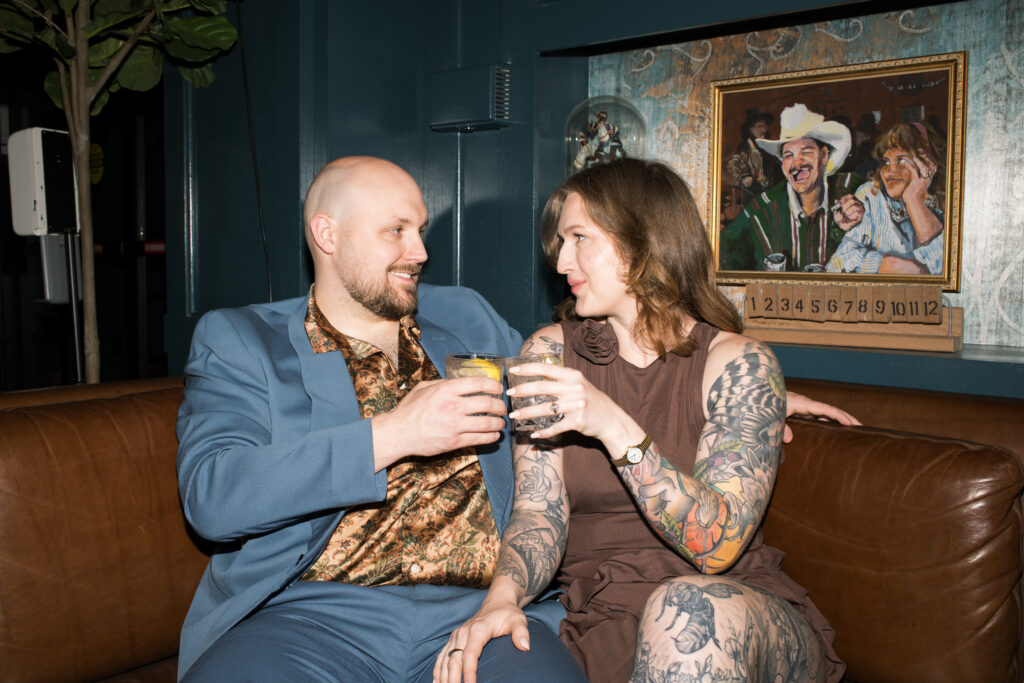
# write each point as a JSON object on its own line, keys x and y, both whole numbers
{"x": 415, "y": 568}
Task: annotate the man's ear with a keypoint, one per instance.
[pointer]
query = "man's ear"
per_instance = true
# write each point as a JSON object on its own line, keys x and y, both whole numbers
{"x": 322, "y": 230}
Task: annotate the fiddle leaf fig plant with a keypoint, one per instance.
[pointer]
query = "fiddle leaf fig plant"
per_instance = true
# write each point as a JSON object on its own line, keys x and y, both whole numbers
{"x": 98, "y": 47}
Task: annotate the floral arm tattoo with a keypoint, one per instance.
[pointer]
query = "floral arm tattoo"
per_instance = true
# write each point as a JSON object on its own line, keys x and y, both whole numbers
{"x": 534, "y": 539}
{"x": 710, "y": 517}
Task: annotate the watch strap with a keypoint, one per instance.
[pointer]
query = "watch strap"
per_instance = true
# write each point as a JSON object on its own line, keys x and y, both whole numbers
{"x": 643, "y": 446}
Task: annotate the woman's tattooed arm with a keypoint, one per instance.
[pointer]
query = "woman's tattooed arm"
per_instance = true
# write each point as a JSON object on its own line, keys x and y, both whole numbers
{"x": 534, "y": 540}
{"x": 710, "y": 517}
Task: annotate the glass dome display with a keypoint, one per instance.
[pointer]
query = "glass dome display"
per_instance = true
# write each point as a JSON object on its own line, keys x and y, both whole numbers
{"x": 602, "y": 129}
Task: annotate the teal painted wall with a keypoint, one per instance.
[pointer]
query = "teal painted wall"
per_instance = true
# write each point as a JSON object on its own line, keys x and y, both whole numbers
{"x": 334, "y": 78}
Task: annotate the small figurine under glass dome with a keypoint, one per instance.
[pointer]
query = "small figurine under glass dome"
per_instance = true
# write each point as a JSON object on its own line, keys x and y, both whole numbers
{"x": 602, "y": 129}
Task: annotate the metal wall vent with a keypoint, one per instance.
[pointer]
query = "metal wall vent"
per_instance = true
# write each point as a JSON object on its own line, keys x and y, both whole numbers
{"x": 470, "y": 99}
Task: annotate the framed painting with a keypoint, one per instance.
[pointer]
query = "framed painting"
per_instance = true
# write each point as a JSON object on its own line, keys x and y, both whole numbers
{"x": 849, "y": 174}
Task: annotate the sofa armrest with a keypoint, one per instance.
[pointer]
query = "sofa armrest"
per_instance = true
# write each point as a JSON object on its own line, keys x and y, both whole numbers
{"x": 911, "y": 546}
{"x": 98, "y": 567}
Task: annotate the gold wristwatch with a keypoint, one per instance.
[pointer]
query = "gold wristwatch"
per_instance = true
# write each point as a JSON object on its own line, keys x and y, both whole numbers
{"x": 634, "y": 454}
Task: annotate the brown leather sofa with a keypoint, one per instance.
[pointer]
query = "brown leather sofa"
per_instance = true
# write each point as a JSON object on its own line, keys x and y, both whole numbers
{"x": 911, "y": 545}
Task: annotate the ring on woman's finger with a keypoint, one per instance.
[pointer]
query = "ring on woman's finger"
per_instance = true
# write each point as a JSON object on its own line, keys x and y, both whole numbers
{"x": 554, "y": 408}
{"x": 454, "y": 650}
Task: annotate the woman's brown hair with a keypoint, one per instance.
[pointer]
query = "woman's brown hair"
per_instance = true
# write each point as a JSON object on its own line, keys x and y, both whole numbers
{"x": 650, "y": 215}
{"x": 918, "y": 140}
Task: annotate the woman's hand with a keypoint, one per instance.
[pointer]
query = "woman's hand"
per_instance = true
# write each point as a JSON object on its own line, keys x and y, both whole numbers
{"x": 927, "y": 225}
{"x": 584, "y": 408}
{"x": 921, "y": 171}
{"x": 801, "y": 406}
{"x": 458, "y": 659}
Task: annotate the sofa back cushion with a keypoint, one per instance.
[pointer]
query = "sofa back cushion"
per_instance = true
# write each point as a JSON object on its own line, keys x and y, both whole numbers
{"x": 983, "y": 419}
{"x": 97, "y": 568}
{"x": 909, "y": 545}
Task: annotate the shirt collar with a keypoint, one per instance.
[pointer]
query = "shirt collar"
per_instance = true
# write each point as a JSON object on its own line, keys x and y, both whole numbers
{"x": 324, "y": 337}
{"x": 796, "y": 207}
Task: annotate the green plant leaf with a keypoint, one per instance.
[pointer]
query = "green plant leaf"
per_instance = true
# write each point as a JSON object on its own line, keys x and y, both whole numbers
{"x": 15, "y": 26}
{"x": 109, "y": 13}
{"x": 142, "y": 69}
{"x": 198, "y": 76}
{"x": 207, "y": 33}
{"x": 107, "y": 7}
{"x": 67, "y": 5}
{"x": 210, "y": 6}
{"x": 16, "y": 30}
{"x": 56, "y": 42}
{"x": 51, "y": 84}
{"x": 101, "y": 52}
{"x": 7, "y": 47}
{"x": 179, "y": 51}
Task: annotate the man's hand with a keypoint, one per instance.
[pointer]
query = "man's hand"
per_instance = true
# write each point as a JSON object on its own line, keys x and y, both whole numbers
{"x": 800, "y": 405}
{"x": 437, "y": 417}
{"x": 848, "y": 212}
{"x": 458, "y": 659}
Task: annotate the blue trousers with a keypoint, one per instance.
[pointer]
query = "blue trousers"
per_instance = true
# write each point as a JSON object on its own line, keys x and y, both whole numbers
{"x": 316, "y": 631}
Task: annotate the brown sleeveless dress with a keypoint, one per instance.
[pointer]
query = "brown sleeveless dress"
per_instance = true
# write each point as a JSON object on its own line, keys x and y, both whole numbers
{"x": 613, "y": 560}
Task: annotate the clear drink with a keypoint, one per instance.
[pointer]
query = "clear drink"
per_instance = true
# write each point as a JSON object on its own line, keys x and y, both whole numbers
{"x": 473, "y": 365}
{"x": 533, "y": 423}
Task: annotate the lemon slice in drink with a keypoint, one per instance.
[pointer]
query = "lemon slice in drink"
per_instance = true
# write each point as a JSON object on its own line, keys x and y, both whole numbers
{"x": 482, "y": 367}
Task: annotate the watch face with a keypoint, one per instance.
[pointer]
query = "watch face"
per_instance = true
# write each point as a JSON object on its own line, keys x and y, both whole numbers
{"x": 634, "y": 455}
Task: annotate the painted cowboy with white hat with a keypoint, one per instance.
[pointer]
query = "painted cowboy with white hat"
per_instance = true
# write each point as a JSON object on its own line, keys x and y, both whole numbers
{"x": 797, "y": 224}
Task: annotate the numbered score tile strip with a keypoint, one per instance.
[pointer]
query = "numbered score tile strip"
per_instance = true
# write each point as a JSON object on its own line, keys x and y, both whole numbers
{"x": 892, "y": 317}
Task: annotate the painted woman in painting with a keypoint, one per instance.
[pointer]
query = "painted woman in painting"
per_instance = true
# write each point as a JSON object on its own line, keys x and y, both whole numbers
{"x": 902, "y": 230}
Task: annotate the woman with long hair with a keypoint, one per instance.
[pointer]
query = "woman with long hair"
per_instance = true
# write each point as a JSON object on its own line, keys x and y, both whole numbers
{"x": 902, "y": 229}
{"x": 644, "y": 502}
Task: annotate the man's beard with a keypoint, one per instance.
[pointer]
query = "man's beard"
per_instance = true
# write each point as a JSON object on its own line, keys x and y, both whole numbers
{"x": 380, "y": 297}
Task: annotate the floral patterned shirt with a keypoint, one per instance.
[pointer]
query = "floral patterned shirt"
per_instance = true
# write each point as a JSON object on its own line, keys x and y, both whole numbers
{"x": 435, "y": 525}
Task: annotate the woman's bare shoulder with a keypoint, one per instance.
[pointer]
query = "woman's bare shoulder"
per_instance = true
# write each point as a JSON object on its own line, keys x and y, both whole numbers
{"x": 727, "y": 346}
{"x": 732, "y": 355}
{"x": 548, "y": 339}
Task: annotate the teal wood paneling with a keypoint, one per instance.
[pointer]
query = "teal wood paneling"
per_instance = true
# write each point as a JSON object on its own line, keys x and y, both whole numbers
{"x": 214, "y": 246}
{"x": 329, "y": 79}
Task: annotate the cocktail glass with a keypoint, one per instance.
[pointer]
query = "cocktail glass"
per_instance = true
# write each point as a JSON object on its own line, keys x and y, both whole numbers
{"x": 518, "y": 402}
{"x": 473, "y": 365}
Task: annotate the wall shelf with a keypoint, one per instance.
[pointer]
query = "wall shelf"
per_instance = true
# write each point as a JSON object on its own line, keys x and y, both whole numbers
{"x": 976, "y": 369}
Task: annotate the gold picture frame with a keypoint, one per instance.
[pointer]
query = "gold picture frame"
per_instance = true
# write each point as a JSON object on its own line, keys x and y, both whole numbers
{"x": 785, "y": 215}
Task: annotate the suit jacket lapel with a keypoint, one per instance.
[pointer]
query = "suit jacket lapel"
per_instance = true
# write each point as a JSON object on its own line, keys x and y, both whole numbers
{"x": 326, "y": 378}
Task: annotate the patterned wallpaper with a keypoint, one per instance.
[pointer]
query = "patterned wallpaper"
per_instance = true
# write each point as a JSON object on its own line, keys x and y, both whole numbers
{"x": 670, "y": 86}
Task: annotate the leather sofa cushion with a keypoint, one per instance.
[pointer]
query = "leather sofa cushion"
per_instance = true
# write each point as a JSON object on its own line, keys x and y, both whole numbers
{"x": 910, "y": 546}
{"x": 93, "y": 538}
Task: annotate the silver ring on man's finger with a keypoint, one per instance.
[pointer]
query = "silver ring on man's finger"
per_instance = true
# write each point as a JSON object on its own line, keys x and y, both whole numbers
{"x": 454, "y": 650}
{"x": 554, "y": 408}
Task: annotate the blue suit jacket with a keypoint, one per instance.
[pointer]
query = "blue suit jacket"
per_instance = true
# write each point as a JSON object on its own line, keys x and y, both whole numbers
{"x": 272, "y": 448}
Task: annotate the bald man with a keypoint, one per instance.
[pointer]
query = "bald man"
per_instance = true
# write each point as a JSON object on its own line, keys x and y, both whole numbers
{"x": 356, "y": 498}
